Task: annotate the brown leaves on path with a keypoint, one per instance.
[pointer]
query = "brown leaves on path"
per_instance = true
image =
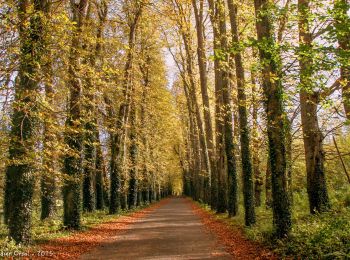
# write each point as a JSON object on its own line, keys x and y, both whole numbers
{"x": 73, "y": 246}
{"x": 232, "y": 238}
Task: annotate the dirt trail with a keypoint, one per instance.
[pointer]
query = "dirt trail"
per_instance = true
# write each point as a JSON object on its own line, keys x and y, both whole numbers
{"x": 175, "y": 228}
{"x": 171, "y": 231}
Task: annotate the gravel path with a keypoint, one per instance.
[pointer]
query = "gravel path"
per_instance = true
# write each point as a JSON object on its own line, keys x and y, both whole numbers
{"x": 171, "y": 231}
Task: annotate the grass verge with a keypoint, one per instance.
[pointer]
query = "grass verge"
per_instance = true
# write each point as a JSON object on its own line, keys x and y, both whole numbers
{"x": 44, "y": 231}
{"x": 321, "y": 236}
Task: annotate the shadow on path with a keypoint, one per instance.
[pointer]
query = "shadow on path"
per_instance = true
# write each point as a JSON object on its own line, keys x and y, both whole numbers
{"x": 171, "y": 231}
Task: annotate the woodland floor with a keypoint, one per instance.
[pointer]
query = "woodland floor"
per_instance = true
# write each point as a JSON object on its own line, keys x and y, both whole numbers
{"x": 175, "y": 228}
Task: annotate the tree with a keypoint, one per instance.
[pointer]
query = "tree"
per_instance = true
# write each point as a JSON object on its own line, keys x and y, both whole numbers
{"x": 276, "y": 128}
{"x": 90, "y": 110}
{"x": 188, "y": 74}
{"x": 342, "y": 31}
{"x": 73, "y": 138}
{"x": 133, "y": 182}
{"x": 309, "y": 99}
{"x": 248, "y": 188}
{"x": 223, "y": 112}
{"x": 49, "y": 176}
{"x": 100, "y": 184}
{"x": 118, "y": 137}
{"x": 19, "y": 185}
{"x": 202, "y": 65}
{"x": 256, "y": 140}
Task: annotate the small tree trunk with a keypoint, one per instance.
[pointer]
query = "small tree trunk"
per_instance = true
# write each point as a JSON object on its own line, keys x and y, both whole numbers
{"x": 258, "y": 184}
{"x": 89, "y": 165}
{"x": 268, "y": 185}
{"x": 133, "y": 181}
{"x": 100, "y": 172}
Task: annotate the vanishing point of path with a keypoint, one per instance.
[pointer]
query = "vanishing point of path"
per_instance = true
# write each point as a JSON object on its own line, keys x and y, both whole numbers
{"x": 171, "y": 231}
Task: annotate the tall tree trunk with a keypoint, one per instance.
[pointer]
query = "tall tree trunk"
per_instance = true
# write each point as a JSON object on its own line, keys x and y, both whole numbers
{"x": 144, "y": 68}
{"x": 202, "y": 64}
{"x": 193, "y": 136}
{"x": 114, "y": 142}
{"x": 89, "y": 170}
{"x": 73, "y": 139}
{"x": 198, "y": 120}
{"x": 19, "y": 183}
{"x": 114, "y": 201}
{"x": 227, "y": 127}
{"x": 48, "y": 178}
{"x": 193, "y": 112}
{"x": 111, "y": 114}
{"x": 91, "y": 118}
{"x": 223, "y": 110}
{"x": 218, "y": 101}
{"x": 189, "y": 66}
{"x": 118, "y": 139}
{"x": 248, "y": 187}
{"x": 289, "y": 153}
{"x": 90, "y": 127}
{"x": 313, "y": 138}
{"x": 342, "y": 27}
{"x": 273, "y": 93}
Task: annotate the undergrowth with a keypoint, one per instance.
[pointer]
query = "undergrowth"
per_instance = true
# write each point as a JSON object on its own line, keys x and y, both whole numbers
{"x": 43, "y": 231}
{"x": 320, "y": 236}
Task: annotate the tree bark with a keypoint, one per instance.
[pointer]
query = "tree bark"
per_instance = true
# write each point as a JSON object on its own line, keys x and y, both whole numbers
{"x": 145, "y": 70}
{"x": 73, "y": 138}
{"x": 198, "y": 120}
{"x": 123, "y": 118}
{"x": 189, "y": 67}
{"x": 342, "y": 27}
{"x": 89, "y": 170}
{"x": 218, "y": 100}
{"x": 312, "y": 135}
{"x": 19, "y": 183}
{"x": 194, "y": 137}
{"x": 268, "y": 185}
{"x": 133, "y": 180}
{"x": 273, "y": 93}
{"x": 48, "y": 178}
{"x": 258, "y": 184}
{"x": 247, "y": 169}
{"x": 202, "y": 65}
{"x": 223, "y": 111}
{"x": 100, "y": 173}
{"x": 91, "y": 118}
